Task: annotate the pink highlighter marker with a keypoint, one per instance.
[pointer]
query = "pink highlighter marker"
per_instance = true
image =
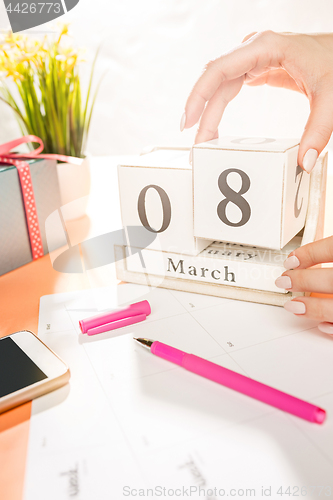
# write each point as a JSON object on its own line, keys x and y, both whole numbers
{"x": 236, "y": 381}
{"x": 134, "y": 313}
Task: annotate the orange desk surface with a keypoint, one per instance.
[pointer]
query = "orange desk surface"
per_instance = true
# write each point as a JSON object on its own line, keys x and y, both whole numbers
{"x": 20, "y": 291}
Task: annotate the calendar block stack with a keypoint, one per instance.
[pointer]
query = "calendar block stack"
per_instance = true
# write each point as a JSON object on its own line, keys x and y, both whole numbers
{"x": 225, "y": 224}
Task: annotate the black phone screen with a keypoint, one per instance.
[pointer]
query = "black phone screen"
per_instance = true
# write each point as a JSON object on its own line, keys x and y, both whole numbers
{"x": 17, "y": 370}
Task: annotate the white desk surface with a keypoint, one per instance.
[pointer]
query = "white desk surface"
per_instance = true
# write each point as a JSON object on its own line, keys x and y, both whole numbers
{"x": 131, "y": 420}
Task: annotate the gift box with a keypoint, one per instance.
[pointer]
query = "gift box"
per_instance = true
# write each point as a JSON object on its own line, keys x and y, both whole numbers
{"x": 16, "y": 241}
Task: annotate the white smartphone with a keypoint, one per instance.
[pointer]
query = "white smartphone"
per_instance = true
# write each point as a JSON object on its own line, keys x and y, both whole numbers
{"x": 28, "y": 369}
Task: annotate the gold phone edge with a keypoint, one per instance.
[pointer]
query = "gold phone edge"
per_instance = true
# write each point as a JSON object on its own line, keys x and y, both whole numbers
{"x": 35, "y": 390}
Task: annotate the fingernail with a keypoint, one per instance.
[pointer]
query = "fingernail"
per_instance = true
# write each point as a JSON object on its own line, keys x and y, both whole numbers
{"x": 295, "y": 307}
{"x": 190, "y": 157}
{"x": 182, "y": 122}
{"x": 309, "y": 160}
{"x": 326, "y": 328}
{"x": 283, "y": 282}
{"x": 292, "y": 262}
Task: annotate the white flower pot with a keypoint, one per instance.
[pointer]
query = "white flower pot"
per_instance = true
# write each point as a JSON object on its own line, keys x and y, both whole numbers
{"x": 74, "y": 183}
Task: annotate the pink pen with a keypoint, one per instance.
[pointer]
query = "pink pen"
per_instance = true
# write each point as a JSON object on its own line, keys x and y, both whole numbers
{"x": 236, "y": 381}
{"x": 116, "y": 319}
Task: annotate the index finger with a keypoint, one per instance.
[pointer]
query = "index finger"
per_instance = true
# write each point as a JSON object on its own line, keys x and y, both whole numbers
{"x": 246, "y": 57}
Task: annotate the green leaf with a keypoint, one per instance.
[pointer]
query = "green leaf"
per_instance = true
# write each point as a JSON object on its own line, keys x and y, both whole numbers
{"x": 49, "y": 100}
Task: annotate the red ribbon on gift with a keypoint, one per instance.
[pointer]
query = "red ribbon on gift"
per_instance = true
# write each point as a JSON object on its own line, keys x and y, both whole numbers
{"x": 29, "y": 202}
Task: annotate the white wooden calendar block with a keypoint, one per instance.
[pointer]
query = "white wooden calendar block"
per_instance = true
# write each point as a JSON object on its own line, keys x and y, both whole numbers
{"x": 221, "y": 263}
{"x": 249, "y": 191}
{"x": 203, "y": 279}
{"x": 156, "y": 194}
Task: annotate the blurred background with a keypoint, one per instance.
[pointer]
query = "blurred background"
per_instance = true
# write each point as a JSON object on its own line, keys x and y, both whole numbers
{"x": 154, "y": 50}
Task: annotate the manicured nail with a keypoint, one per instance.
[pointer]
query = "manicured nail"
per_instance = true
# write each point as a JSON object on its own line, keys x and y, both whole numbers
{"x": 309, "y": 160}
{"x": 295, "y": 307}
{"x": 283, "y": 282}
{"x": 326, "y": 328}
{"x": 182, "y": 122}
{"x": 190, "y": 157}
{"x": 292, "y": 262}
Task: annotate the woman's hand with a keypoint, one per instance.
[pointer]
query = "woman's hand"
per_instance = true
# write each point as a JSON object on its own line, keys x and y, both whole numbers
{"x": 299, "y": 278}
{"x": 295, "y": 61}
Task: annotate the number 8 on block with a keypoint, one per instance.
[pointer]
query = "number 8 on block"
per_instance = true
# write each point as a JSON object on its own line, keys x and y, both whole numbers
{"x": 249, "y": 191}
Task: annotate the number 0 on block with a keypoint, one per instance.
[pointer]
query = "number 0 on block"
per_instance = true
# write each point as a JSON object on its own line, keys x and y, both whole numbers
{"x": 156, "y": 193}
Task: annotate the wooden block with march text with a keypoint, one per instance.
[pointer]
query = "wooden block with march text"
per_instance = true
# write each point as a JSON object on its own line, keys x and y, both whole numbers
{"x": 249, "y": 191}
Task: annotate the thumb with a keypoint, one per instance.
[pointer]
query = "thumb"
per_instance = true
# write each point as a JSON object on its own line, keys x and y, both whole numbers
{"x": 317, "y": 131}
